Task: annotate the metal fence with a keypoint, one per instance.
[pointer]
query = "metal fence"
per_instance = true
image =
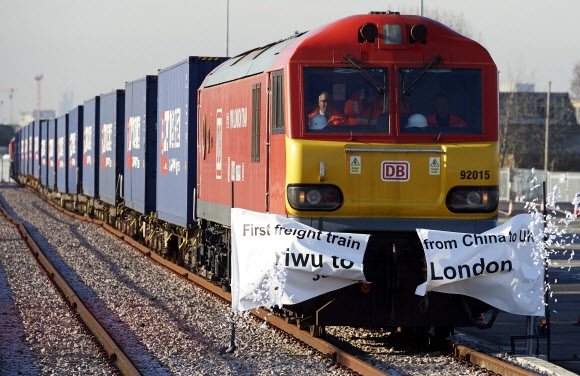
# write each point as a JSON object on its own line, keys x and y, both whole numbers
{"x": 526, "y": 184}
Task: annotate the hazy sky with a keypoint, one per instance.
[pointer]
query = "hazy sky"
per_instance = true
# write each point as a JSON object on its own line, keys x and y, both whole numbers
{"x": 93, "y": 47}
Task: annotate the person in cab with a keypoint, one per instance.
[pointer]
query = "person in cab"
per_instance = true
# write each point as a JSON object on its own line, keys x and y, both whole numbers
{"x": 363, "y": 107}
{"x": 325, "y": 114}
{"x": 442, "y": 117}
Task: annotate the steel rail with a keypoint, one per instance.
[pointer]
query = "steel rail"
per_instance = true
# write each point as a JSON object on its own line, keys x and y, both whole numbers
{"x": 114, "y": 353}
{"x": 488, "y": 363}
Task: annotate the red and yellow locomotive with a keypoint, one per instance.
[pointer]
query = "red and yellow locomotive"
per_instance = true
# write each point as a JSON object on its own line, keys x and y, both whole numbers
{"x": 378, "y": 124}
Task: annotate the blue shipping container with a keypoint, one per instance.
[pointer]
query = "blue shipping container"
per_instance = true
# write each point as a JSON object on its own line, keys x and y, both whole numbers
{"x": 24, "y": 150}
{"x": 140, "y": 144}
{"x": 61, "y": 152}
{"x": 177, "y": 137}
{"x": 15, "y": 169}
{"x": 51, "y": 155}
{"x": 23, "y": 138}
{"x": 44, "y": 155}
{"x": 21, "y": 149}
{"x": 75, "y": 145}
{"x": 36, "y": 148}
{"x": 112, "y": 141}
{"x": 29, "y": 148}
{"x": 91, "y": 146}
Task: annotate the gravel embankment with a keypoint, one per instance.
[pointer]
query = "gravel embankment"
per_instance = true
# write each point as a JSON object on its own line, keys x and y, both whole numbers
{"x": 38, "y": 335}
{"x": 164, "y": 324}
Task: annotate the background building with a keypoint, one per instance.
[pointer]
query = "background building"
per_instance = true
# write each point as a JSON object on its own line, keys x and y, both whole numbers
{"x": 522, "y": 130}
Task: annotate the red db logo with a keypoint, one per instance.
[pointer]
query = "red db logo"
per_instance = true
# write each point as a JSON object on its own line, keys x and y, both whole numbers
{"x": 395, "y": 170}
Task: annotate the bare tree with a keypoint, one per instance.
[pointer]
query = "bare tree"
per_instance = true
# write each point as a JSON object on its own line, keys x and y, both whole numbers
{"x": 522, "y": 131}
{"x": 507, "y": 148}
{"x": 453, "y": 20}
{"x": 512, "y": 108}
{"x": 575, "y": 83}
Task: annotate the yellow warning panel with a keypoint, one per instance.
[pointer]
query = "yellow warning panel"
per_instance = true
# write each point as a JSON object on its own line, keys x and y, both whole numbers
{"x": 434, "y": 166}
{"x": 355, "y": 165}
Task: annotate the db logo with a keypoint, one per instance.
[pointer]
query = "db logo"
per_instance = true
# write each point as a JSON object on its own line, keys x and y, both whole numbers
{"x": 395, "y": 170}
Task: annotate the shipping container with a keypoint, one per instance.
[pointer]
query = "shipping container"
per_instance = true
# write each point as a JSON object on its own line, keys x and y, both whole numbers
{"x": 20, "y": 148}
{"x": 112, "y": 115}
{"x": 75, "y": 145}
{"x": 20, "y": 140}
{"x": 61, "y": 153}
{"x": 177, "y": 137}
{"x": 30, "y": 148}
{"x": 91, "y": 145}
{"x": 44, "y": 155}
{"x": 36, "y": 148}
{"x": 140, "y": 144}
{"x": 15, "y": 154}
{"x": 51, "y": 155}
{"x": 22, "y": 151}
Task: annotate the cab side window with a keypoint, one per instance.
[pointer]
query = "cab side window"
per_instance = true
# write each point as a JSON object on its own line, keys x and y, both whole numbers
{"x": 278, "y": 102}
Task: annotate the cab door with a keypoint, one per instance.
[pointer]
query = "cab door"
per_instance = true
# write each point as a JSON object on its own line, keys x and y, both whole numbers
{"x": 276, "y": 146}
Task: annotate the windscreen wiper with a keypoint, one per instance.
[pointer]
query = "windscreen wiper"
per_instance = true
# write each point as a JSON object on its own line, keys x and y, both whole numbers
{"x": 365, "y": 75}
{"x": 436, "y": 61}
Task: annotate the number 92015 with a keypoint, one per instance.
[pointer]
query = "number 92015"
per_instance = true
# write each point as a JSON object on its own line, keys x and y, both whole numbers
{"x": 474, "y": 174}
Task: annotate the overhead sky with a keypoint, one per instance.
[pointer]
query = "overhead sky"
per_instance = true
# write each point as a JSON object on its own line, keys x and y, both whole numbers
{"x": 93, "y": 47}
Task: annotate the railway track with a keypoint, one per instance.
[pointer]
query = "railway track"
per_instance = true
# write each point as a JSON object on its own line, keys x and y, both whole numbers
{"x": 336, "y": 357}
{"x": 473, "y": 359}
{"x": 164, "y": 325}
{"x": 115, "y": 359}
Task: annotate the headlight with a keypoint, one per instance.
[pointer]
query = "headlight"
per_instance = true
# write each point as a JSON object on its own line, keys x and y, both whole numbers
{"x": 472, "y": 199}
{"x": 314, "y": 197}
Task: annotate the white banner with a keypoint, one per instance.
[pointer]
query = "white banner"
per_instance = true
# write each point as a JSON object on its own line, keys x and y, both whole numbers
{"x": 276, "y": 260}
{"x": 503, "y": 267}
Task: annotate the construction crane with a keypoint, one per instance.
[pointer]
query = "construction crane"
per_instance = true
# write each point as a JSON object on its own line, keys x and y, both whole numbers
{"x": 10, "y": 96}
{"x": 38, "y": 78}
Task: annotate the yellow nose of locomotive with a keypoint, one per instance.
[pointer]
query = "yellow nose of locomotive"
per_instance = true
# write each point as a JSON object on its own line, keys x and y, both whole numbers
{"x": 404, "y": 181}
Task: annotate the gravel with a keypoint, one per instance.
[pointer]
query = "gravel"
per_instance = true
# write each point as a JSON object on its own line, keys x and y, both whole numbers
{"x": 395, "y": 353}
{"x": 401, "y": 356}
{"x": 38, "y": 335}
{"x": 164, "y": 324}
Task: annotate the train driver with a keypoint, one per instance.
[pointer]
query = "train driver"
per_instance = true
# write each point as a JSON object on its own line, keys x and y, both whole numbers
{"x": 442, "y": 118}
{"x": 363, "y": 107}
{"x": 324, "y": 109}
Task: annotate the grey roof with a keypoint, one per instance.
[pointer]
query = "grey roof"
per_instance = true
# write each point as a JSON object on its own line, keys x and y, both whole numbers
{"x": 248, "y": 63}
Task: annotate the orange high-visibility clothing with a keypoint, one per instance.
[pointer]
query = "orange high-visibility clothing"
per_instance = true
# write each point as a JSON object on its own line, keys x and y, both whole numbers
{"x": 454, "y": 121}
{"x": 354, "y": 109}
{"x": 333, "y": 117}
